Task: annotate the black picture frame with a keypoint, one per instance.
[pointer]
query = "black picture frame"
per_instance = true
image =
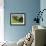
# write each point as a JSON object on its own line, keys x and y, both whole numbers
{"x": 17, "y": 19}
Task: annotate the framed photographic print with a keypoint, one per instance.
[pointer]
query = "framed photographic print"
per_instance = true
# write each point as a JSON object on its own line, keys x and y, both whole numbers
{"x": 17, "y": 18}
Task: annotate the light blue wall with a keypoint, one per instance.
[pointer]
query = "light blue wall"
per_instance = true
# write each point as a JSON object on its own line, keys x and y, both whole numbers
{"x": 29, "y": 7}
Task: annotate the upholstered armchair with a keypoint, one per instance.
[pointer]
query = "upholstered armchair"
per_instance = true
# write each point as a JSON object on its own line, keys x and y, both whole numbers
{"x": 39, "y": 33}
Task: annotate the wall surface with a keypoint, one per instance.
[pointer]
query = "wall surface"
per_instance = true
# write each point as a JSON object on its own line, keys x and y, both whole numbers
{"x": 43, "y": 6}
{"x": 29, "y": 7}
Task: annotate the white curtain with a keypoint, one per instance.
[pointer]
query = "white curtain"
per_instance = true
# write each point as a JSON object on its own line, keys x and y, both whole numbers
{"x": 1, "y": 20}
